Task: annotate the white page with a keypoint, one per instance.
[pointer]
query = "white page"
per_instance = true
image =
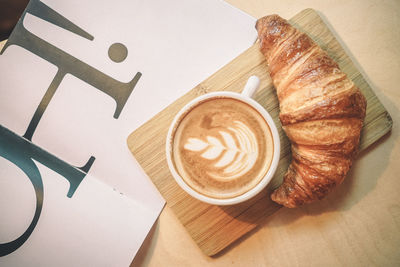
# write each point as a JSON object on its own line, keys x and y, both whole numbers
{"x": 174, "y": 44}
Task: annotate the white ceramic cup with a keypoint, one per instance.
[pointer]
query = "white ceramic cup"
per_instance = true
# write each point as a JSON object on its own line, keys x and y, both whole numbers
{"x": 248, "y": 91}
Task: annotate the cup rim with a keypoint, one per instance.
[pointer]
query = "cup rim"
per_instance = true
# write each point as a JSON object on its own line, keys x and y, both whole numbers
{"x": 253, "y": 191}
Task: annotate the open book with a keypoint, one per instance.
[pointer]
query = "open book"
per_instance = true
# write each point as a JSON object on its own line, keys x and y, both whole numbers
{"x": 76, "y": 77}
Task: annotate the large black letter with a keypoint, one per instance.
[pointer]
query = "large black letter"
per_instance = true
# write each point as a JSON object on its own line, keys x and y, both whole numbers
{"x": 21, "y": 152}
{"x": 66, "y": 63}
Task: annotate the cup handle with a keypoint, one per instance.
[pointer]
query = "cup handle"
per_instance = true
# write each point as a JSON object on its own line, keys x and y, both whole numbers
{"x": 251, "y": 86}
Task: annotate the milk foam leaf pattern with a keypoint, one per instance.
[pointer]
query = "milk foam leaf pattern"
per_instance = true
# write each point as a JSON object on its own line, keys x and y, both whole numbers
{"x": 237, "y": 148}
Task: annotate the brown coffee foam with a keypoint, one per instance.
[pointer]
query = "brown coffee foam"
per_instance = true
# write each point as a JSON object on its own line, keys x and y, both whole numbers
{"x": 209, "y": 118}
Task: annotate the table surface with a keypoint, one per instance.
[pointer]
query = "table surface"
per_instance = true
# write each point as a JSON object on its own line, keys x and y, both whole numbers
{"x": 359, "y": 223}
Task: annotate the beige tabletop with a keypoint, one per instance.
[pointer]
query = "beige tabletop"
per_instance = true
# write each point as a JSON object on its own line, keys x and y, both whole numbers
{"x": 359, "y": 223}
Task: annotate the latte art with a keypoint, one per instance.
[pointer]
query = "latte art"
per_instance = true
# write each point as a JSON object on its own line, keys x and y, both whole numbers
{"x": 222, "y": 147}
{"x": 236, "y": 160}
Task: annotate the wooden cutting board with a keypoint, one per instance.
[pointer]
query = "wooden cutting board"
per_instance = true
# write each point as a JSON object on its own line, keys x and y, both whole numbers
{"x": 213, "y": 228}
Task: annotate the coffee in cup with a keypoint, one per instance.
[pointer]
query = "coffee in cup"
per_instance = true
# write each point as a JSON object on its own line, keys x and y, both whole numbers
{"x": 222, "y": 147}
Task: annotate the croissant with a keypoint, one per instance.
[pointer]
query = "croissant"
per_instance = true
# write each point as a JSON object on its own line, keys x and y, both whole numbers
{"x": 321, "y": 111}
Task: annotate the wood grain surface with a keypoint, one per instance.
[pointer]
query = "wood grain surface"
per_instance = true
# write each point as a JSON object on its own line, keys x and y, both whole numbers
{"x": 214, "y": 228}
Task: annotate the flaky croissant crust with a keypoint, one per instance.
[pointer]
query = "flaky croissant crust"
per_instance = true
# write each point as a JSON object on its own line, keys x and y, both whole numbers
{"x": 321, "y": 111}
